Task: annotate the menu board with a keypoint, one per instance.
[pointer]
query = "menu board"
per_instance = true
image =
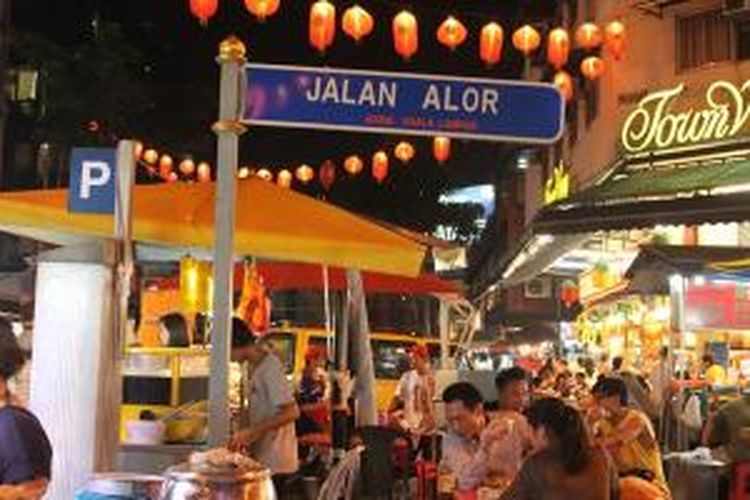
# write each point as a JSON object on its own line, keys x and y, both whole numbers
{"x": 717, "y": 305}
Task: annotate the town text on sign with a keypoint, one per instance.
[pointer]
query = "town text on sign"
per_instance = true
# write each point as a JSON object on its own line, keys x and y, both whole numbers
{"x": 481, "y": 109}
{"x": 652, "y": 125}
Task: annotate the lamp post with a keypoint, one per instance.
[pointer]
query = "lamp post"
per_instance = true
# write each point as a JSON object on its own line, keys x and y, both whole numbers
{"x": 228, "y": 129}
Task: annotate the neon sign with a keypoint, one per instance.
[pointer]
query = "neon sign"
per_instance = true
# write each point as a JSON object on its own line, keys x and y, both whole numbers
{"x": 652, "y": 126}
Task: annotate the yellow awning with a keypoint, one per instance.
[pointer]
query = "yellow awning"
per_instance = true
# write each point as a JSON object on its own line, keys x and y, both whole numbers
{"x": 271, "y": 223}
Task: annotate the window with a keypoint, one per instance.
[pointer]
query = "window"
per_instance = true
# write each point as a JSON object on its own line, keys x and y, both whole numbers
{"x": 704, "y": 39}
{"x": 391, "y": 358}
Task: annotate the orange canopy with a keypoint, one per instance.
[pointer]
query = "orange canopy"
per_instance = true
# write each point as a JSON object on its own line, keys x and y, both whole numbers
{"x": 271, "y": 222}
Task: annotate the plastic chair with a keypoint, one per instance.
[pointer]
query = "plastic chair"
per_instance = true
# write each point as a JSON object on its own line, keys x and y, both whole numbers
{"x": 740, "y": 483}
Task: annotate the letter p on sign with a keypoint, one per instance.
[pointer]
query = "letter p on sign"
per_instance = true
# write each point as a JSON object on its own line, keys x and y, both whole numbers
{"x": 92, "y": 180}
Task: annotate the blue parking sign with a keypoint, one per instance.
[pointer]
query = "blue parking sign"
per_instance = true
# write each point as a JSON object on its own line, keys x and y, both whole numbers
{"x": 92, "y": 180}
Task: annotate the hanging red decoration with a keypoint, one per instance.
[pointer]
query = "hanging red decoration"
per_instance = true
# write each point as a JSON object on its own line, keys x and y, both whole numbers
{"x": 284, "y": 179}
{"x": 171, "y": 177}
{"x": 491, "y": 43}
{"x": 441, "y": 148}
{"x": 592, "y": 67}
{"x": 264, "y": 174}
{"x": 322, "y": 24}
{"x": 327, "y": 174}
{"x": 357, "y": 23}
{"x": 405, "y": 34}
{"x": 569, "y": 293}
{"x": 204, "y": 172}
{"x": 165, "y": 166}
{"x": 614, "y": 36}
{"x": 564, "y": 83}
{"x": 451, "y": 33}
{"x": 187, "y": 167}
{"x": 526, "y": 40}
{"x": 262, "y": 8}
{"x": 150, "y": 156}
{"x": 380, "y": 166}
{"x": 138, "y": 150}
{"x": 353, "y": 165}
{"x": 404, "y": 151}
{"x": 204, "y": 9}
{"x": 589, "y": 36}
{"x": 304, "y": 174}
{"x": 558, "y": 48}
{"x": 243, "y": 173}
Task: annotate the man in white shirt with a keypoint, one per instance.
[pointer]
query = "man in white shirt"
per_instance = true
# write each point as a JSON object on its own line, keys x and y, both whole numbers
{"x": 415, "y": 393}
{"x": 270, "y": 437}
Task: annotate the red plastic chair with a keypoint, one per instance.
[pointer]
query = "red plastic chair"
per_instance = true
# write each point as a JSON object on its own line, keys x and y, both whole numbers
{"x": 740, "y": 485}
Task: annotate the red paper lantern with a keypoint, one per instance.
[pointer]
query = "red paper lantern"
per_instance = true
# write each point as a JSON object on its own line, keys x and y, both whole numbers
{"x": 558, "y": 47}
{"x": 592, "y": 67}
{"x": 204, "y": 172}
{"x": 589, "y": 36}
{"x": 380, "y": 166}
{"x": 564, "y": 83}
{"x": 441, "y": 148}
{"x": 405, "y": 34}
{"x": 304, "y": 174}
{"x": 357, "y": 23}
{"x": 284, "y": 179}
{"x": 526, "y": 40}
{"x": 172, "y": 177}
{"x": 569, "y": 293}
{"x": 262, "y": 8}
{"x": 165, "y": 166}
{"x": 327, "y": 174}
{"x": 150, "y": 156}
{"x": 451, "y": 33}
{"x": 353, "y": 165}
{"x": 204, "y": 9}
{"x": 264, "y": 174}
{"x": 187, "y": 167}
{"x": 404, "y": 151}
{"x": 138, "y": 150}
{"x": 614, "y": 36}
{"x": 491, "y": 43}
{"x": 322, "y": 24}
{"x": 243, "y": 173}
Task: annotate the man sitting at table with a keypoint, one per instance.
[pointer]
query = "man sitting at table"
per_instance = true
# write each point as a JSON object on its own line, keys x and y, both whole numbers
{"x": 474, "y": 448}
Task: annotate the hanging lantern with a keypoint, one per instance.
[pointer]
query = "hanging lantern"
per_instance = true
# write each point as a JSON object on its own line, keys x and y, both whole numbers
{"x": 284, "y": 179}
{"x": 353, "y": 165}
{"x": 150, "y": 156}
{"x": 564, "y": 83}
{"x": 451, "y": 33}
{"x": 441, "y": 148}
{"x": 614, "y": 36}
{"x": 404, "y": 151}
{"x": 171, "y": 177}
{"x": 243, "y": 173}
{"x": 165, "y": 166}
{"x": 558, "y": 48}
{"x": 405, "y": 34}
{"x": 187, "y": 167}
{"x": 491, "y": 43}
{"x": 304, "y": 173}
{"x": 204, "y": 172}
{"x": 357, "y": 23}
{"x": 262, "y": 8}
{"x": 264, "y": 174}
{"x": 322, "y": 24}
{"x": 592, "y": 67}
{"x": 380, "y": 166}
{"x": 138, "y": 150}
{"x": 589, "y": 36}
{"x": 526, "y": 40}
{"x": 327, "y": 174}
{"x": 204, "y": 9}
{"x": 569, "y": 293}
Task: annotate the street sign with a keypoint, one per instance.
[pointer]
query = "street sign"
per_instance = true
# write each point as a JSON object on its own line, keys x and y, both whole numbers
{"x": 92, "y": 180}
{"x": 352, "y": 100}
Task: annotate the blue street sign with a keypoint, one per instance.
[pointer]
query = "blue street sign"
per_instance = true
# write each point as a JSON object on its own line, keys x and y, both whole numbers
{"x": 92, "y": 180}
{"x": 471, "y": 108}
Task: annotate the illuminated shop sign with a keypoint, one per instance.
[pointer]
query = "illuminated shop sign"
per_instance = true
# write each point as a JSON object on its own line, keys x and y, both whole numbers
{"x": 653, "y": 125}
{"x": 557, "y": 186}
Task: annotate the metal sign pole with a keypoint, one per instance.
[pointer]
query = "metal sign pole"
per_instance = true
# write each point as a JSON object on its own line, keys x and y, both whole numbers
{"x": 228, "y": 129}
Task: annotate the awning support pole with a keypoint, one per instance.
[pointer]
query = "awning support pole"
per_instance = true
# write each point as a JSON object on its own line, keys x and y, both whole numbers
{"x": 228, "y": 130}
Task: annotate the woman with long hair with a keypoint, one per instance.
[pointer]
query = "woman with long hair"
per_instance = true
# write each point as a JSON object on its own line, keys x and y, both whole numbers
{"x": 25, "y": 451}
{"x": 565, "y": 464}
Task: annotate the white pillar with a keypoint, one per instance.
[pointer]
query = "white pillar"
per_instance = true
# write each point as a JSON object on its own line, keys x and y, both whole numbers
{"x": 74, "y": 386}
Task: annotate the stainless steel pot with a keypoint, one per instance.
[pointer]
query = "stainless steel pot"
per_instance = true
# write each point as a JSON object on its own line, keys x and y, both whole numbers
{"x": 201, "y": 482}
